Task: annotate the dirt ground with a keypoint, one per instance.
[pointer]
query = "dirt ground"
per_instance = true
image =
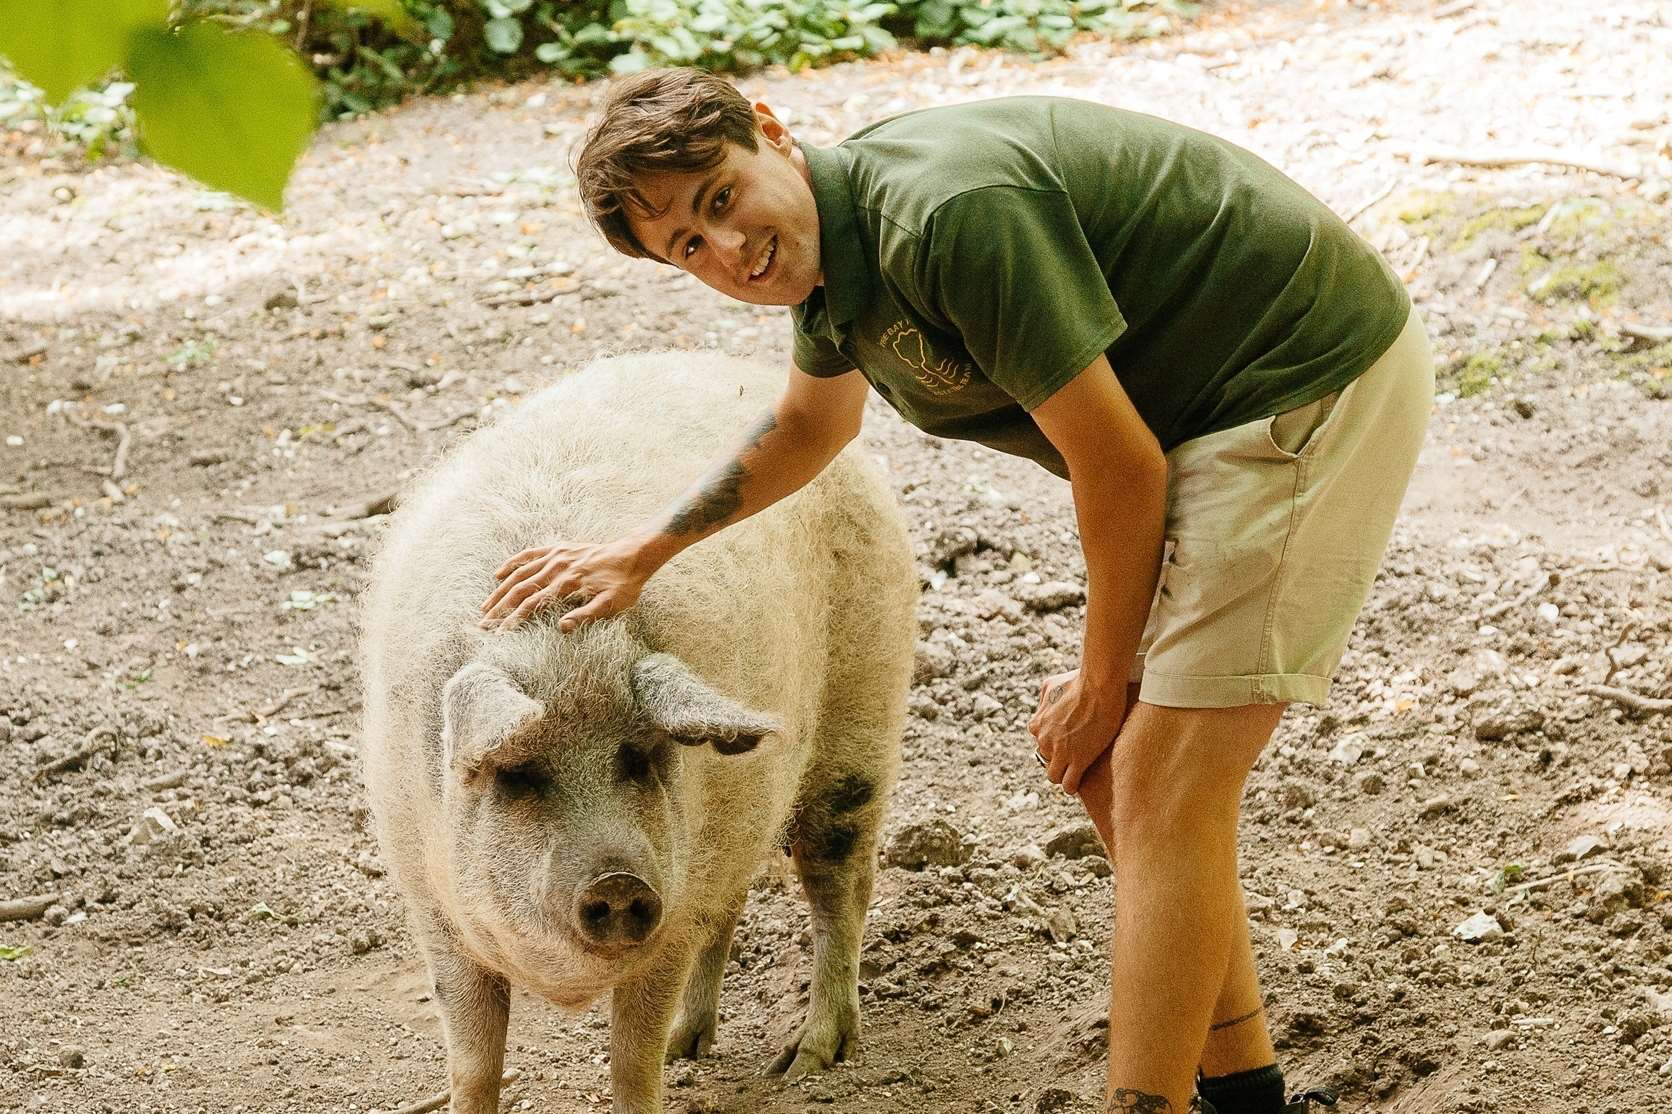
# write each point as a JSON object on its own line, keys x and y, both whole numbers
{"x": 179, "y": 639}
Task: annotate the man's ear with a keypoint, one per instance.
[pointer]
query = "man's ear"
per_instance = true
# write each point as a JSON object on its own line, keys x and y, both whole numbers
{"x": 677, "y": 701}
{"x": 771, "y": 128}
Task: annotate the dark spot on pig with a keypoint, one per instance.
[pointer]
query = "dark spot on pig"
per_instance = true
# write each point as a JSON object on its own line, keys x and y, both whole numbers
{"x": 851, "y": 791}
{"x": 831, "y": 844}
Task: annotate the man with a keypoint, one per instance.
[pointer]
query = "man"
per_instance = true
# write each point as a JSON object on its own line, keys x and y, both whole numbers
{"x": 1234, "y": 384}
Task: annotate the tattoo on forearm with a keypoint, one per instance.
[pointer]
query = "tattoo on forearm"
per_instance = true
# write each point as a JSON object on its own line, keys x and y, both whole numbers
{"x": 1124, "y": 1101}
{"x": 1249, "y": 1016}
{"x": 720, "y": 494}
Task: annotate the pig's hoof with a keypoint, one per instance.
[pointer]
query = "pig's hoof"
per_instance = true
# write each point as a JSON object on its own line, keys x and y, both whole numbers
{"x": 820, "y": 1043}
{"x": 691, "y": 1040}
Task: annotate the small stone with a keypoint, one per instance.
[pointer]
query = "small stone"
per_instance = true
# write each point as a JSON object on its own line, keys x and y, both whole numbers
{"x": 935, "y": 843}
{"x": 72, "y": 1057}
{"x": 1498, "y": 1039}
{"x": 1369, "y": 784}
{"x": 933, "y": 660}
{"x": 1348, "y": 750}
{"x": 1481, "y": 926}
{"x": 1358, "y": 839}
{"x": 1580, "y": 848}
{"x": 1028, "y": 858}
{"x": 152, "y": 825}
{"x": 992, "y": 603}
{"x": 984, "y": 706}
{"x": 1055, "y": 1100}
{"x": 1053, "y": 595}
{"x": 1061, "y": 925}
{"x": 1436, "y": 805}
{"x": 1075, "y": 843}
{"x": 282, "y": 298}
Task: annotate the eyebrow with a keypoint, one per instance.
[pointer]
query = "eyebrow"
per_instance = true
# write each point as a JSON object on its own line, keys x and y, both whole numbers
{"x": 696, "y": 207}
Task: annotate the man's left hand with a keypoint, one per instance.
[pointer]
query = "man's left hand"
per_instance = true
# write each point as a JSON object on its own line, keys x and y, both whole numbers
{"x": 1074, "y": 725}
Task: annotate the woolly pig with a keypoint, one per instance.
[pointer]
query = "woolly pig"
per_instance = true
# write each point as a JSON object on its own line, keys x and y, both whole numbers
{"x": 582, "y": 812}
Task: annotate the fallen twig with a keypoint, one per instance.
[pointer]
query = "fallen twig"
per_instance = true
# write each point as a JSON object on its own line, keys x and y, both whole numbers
{"x": 1456, "y": 7}
{"x": 1653, "y": 334}
{"x": 118, "y": 467}
{"x": 436, "y": 1102}
{"x": 1538, "y": 586}
{"x": 27, "y": 352}
{"x": 382, "y": 403}
{"x": 27, "y": 908}
{"x": 1566, "y": 875}
{"x": 98, "y": 739}
{"x": 1643, "y": 705}
{"x": 1614, "y": 666}
{"x": 1369, "y": 204}
{"x": 1528, "y": 157}
{"x": 530, "y": 297}
{"x": 366, "y": 508}
{"x": 28, "y": 501}
{"x": 268, "y": 711}
{"x": 246, "y": 517}
{"x": 445, "y": 423}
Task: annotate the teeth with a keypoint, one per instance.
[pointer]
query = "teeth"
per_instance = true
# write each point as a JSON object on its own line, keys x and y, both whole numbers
{"x": 765, "y": 259}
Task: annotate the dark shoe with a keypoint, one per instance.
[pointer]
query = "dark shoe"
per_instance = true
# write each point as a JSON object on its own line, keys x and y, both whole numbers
{"x": 1302, "y": 1103}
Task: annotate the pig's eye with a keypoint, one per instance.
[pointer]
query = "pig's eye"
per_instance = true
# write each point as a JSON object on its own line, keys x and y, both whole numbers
{"x": 637, "y": 766}
{"x": 520, "y": 782}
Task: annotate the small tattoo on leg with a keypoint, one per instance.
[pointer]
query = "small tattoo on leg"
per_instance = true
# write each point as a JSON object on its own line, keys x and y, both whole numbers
{"x": 1249, "y": 1016}
{"x": 1124, "y": 1101}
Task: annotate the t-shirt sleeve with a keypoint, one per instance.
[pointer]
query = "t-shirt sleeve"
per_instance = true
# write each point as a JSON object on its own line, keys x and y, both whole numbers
{"x": 818, "y": 356}
{"x": 1011, "y": 271}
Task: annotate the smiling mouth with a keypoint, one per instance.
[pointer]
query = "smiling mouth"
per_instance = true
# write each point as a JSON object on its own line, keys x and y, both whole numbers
{"x": 763, "y": 265}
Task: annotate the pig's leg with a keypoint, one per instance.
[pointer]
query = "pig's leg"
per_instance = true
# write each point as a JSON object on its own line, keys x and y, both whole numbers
{"x": 475, "y": 1006}
{"x": 693, "y": 1029}
{"x": 641, "y": 1013}
{"x": 835, "y": 849}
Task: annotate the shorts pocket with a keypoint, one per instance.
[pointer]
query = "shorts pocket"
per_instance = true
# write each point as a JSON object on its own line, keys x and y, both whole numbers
{"x": 1295, "y": 431}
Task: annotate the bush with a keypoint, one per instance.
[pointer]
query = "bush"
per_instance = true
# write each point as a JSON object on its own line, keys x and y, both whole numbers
{"x": 363, "y": 62}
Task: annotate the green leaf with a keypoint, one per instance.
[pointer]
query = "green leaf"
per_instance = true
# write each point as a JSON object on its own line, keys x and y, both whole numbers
{"x": 503, "y": 35}
{"x": 13, "y": 951}
{"x": 390, "y": 12}
{"x": 232, "y": 110}
{"x": 61, "y": 45}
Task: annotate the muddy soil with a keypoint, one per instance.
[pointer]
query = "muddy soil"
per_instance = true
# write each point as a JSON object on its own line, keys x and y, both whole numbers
{"x": 1458, "y": 871}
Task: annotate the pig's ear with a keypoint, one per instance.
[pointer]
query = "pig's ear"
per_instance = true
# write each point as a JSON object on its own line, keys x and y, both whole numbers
{"x": 481, "y": 710}
{"x": 679, "y": 702}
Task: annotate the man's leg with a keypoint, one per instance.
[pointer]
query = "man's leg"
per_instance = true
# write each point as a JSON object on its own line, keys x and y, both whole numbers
{"x": 1175, "y": 779}
{"x": 1239, "y": 1038}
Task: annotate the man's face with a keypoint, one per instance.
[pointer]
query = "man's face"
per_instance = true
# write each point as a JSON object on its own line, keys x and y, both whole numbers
{"x": 747, "y": 227}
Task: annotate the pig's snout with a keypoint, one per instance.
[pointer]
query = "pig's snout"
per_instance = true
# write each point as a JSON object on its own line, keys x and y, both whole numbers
{"x": 617, "y": 910}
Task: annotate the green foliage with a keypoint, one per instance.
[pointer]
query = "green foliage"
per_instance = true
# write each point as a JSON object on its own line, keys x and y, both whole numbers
{"x": 61, "y": 45}
{"x": 232, "y": 109}
{"x": 367, "y": 53}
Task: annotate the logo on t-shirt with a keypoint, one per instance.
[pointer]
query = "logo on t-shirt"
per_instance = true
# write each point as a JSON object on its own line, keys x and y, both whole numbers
{"x": 945, "y": 376}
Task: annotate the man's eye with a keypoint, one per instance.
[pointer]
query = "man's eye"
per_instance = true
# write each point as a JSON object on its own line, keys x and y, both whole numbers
{"x": 721, "y": 199}
{"x": 690, "y": 246}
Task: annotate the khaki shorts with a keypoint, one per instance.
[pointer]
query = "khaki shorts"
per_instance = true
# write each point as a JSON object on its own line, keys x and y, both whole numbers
{"x": 1274, "y": 533}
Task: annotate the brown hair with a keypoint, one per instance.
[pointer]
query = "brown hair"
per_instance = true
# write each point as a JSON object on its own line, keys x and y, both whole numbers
{"x": 672, "y": 120}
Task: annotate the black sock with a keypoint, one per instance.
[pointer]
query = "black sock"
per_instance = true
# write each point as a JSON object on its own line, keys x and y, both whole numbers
{"x": 1246, "y": 1092}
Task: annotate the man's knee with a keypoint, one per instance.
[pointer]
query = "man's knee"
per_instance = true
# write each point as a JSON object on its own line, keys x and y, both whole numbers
{"x": 1173, "y": 768}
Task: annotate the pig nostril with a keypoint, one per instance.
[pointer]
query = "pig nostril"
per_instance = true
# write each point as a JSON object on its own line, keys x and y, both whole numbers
{"x": 618, "y": 908}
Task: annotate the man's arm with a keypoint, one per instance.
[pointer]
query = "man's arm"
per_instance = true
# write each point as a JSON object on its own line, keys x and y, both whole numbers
{"x": 811, "y": 422}
{"x": 1119, "y": 478}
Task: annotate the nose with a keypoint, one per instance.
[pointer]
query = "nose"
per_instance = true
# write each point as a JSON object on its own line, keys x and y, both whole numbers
{"x": 729, "y": 241}
{"x": 617, "y": 909}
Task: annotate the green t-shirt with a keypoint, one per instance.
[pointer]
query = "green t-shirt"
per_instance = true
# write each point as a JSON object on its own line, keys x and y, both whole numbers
{"x": 978, "y": 257}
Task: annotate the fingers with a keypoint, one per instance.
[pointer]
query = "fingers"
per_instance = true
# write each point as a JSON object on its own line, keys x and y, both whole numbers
{"x": 599, "y": 607}
{"x": 517, "y": 560}
{"x": 1071, "y": 779}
